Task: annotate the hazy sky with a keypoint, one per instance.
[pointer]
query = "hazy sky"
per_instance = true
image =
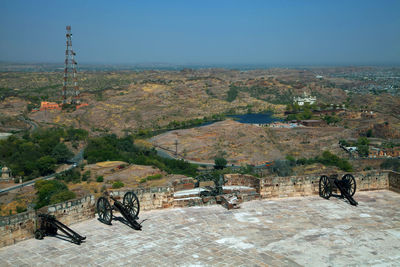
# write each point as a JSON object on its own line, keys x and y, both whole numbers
{"x": 262, "y": 32}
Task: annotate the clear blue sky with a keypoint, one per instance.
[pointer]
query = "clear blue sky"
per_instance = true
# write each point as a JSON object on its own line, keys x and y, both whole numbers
{"x": 182, "y": 32}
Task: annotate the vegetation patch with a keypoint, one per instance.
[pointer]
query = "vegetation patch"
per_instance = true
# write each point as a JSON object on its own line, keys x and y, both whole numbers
{"x": 117, "y": 184}
{"x": 151, "y": 178}
{"x": 328, "y": 159}
{"x": 112, "y": 148}
{"x": 38, "y": 153}
{"x": 51, "y": 192}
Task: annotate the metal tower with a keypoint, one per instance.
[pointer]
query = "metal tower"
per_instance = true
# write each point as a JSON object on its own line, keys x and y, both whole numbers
{"x": 70, "y": 85}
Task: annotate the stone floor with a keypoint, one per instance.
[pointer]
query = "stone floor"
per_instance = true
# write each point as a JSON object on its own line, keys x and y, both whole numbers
{"x": 308, "y": 231}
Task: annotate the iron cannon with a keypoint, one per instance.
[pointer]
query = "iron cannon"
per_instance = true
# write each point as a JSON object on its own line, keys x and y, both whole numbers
{"x": 330, "y": 186}
{"x": 229, "y": 201}
{"x": 129, "y": 209}
{"x": 49, "y": 226}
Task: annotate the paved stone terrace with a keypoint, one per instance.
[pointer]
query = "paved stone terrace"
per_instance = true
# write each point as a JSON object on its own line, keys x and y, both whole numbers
{"x": 308, "y": 231}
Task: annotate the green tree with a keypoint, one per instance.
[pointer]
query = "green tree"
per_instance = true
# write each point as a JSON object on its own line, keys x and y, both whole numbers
{"x": 362, "y": 146}
{"x": 282, "y": 168}
{"x": 46, "y": 165}
{"x": 45, "y": 191}
{"x": 220, "y": 163}
{"x": 62, "y": 196}
{"x": 232, "y": 93}
{"x": 362, "y": 141}
{"x": 61, "y": 153}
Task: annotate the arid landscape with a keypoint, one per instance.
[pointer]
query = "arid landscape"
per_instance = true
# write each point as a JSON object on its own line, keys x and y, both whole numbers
{"x": 199, "y": 133}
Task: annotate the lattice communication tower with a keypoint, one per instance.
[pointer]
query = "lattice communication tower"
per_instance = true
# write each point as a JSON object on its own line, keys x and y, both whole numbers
{"x": 70, "y": 85}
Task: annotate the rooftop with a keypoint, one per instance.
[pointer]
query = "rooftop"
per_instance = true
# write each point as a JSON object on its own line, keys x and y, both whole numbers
{"x": 307, "y": 231}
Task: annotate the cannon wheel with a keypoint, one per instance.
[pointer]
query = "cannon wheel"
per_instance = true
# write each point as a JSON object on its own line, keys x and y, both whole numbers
{"x": 39, "y": 234}
{"x": 104, "y": 210}
{"x": 325, "y": 187}
{"x": 350, "y": 184}
{"x": 131, "y": 202}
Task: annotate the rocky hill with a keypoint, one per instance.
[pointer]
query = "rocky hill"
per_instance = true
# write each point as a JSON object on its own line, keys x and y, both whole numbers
{"x": 250, "y": 144}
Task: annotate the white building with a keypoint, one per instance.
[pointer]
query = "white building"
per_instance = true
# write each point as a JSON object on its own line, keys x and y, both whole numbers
{"x": 301, "y": 100}
{"x": 5, "y": 174}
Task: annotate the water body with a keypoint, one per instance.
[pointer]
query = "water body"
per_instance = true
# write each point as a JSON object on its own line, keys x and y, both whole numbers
{"x": 255, "y": 118}
{"x": 250, "y": 118}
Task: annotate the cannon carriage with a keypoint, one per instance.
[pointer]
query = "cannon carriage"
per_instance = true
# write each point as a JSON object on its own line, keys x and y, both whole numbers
{"x": 129, "y": 209}
{"x": 49, "y": 225}
{"x": 229, "y": 201}
{"x": 332, "y": 186}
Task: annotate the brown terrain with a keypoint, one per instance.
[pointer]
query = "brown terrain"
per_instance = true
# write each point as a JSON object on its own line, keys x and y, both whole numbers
{"x": 243, "y": 143}
{"x": 126, "y": 101}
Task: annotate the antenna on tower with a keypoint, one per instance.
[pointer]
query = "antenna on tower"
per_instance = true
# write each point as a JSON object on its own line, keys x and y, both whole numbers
{"x": 70, "y": 84}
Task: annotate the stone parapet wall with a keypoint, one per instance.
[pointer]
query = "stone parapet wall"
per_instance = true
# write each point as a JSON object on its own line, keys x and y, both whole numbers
{"x": 394, "y": 181}
{"x": 272, "y": 187}
{"x": 295, "y": 186}
{"x": 371, "y": 180}
{"x": 22, "y": 226}
{"x": 151, "y": 198}
{"x": 73, "y": 211}
{"x": 242, "y": 180}
{"x": 17, "y": 227}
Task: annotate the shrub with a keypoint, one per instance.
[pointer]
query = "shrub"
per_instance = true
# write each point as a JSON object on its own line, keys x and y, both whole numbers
{"x": 69, "y": 176}
{"x": 21, "y": 209}
{"x": 329, "y": 159}
{"x": 281, "y": 168}
{"x": 154, "y": 177}
{"x": 62, "y": 196}
{"x": 86, "y": 175}
{"x": 100, "y": 179}
{"x": 117, "y": 184}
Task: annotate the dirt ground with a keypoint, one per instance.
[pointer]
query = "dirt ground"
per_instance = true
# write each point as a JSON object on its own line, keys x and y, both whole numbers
{"x": 243, "y": 143}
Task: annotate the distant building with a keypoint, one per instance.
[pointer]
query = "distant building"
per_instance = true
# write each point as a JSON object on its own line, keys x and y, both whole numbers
{"x": 301, "y": 100}
{"x": 49, "y": 105}
{"x": 351, "y": 149}
{"x": 5, "y": 174}
{"x": 384, "y": 153}
{"x": 368, "y": 114}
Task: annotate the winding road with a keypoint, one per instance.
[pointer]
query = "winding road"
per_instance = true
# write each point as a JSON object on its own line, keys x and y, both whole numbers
{"x": 75, "y": 161}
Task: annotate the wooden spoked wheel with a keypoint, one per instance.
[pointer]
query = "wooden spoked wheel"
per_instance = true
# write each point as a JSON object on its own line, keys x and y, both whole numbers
{"x": 325, "y": 187}
{"x": 104, "y": 210}
{"x": 131, "y": 203}
{"x": 349, "y": 183}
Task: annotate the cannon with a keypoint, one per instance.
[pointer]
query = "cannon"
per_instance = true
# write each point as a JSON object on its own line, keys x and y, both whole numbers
{"x": 211, "y": 191}
{"x": 229, "y": 201}
{"x": 346, "y": 186}
{"x": 129, "y": 209}
{"x": 49, "y": 226}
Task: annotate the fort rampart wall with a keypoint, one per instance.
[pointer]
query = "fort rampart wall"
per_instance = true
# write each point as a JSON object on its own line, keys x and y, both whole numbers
{"x": 394, "y": 181}
{"x": 22, "y": 226}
